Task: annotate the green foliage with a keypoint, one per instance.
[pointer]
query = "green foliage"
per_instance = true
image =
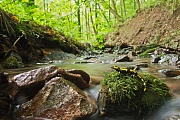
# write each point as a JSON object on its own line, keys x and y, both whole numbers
{"x": 127, "y": 93}
{"x": 64, "y": 17}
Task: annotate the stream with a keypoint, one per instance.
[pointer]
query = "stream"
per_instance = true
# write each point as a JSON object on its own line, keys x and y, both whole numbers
{"x": 96, "y": 72}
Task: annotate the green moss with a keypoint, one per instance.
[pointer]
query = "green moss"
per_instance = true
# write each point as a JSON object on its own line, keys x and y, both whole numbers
{"x": 127, "y": 92}
{"x": 11, "y": 62}
{"x": 146, "y": 54}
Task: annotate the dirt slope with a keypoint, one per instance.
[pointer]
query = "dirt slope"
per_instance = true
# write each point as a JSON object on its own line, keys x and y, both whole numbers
{"x": 159, "y": 24}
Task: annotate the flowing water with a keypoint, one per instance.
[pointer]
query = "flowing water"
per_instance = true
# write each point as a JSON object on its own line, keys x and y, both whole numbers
{"x": 96, "y": 71}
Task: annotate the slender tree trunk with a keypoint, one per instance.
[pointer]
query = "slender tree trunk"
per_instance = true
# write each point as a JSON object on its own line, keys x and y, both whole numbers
{"x": 124, "y": 6}
{"x": 104, "y": 15}
{"x": 86, "y": 23}
{"x": 114, "y": 12}
{"x": 139, "y": 5}
{"x": 114, "y": 5}
{"x": 134, "y": 4}
{"x": 96, "y": 13}
{"x": 121, "y": 8}
{"x": 78, "y": 15}
{"x": 92, "y": 22}
{"x": 109, "y": 10}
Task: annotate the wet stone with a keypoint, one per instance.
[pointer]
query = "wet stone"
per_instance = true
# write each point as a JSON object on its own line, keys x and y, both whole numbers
{"x": 124, "y": 58}
{"x": 59, "y": 99}
{"x": 26, "y": 85}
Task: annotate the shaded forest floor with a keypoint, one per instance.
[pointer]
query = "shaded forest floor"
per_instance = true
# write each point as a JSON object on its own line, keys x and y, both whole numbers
{"x": 26, "y": 41}
{"x": 158, "y": 25}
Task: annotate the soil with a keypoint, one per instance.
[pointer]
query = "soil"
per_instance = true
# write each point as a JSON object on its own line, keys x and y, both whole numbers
{"x": 159, "y": 25}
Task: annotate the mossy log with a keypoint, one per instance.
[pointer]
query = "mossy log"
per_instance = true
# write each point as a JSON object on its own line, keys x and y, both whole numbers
{"x": 125, "y": 95}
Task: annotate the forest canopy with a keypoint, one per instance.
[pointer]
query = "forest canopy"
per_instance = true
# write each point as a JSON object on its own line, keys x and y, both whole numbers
{"x": 84, "y": 20}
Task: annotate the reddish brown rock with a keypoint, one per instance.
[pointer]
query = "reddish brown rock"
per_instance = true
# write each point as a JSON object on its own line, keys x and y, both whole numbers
{"x": 59, "y": 99}
{"x": 26, "y": 85}
{"x": 84, "y": 75}
{"x": 77, "y": 79}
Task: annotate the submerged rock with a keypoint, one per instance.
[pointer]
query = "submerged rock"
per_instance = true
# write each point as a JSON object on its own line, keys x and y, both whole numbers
{"x": 124, "y": 58}
{"x": 59, "y": 99}
{"x": 142, "y": 65}
{"x": 170, "y": 72}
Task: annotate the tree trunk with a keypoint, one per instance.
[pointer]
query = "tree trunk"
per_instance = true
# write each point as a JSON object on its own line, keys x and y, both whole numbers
{"x": 92, "y": 22}
{"x": 78, "y": 15}
{"x": 139, "y": 5}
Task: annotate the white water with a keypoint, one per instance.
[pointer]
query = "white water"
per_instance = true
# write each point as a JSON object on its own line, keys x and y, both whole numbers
{"x": 171, "y": 108}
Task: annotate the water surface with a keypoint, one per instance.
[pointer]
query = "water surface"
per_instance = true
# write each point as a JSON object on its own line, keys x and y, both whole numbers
{"x": 96, "y": 71}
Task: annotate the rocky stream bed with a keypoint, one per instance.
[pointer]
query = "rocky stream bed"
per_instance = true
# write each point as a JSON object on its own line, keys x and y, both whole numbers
{"x": 69, "y": 88}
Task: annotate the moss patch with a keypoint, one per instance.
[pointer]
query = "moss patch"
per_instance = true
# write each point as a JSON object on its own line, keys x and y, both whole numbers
{"x": 122, "y": 94}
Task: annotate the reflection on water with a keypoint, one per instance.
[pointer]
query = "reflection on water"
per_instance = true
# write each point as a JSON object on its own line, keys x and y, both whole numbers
{"x": 96, "y": 70}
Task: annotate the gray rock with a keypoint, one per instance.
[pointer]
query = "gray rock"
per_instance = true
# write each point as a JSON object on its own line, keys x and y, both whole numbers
{"x": 142, "y": 65}
{"x": 59, "y": 55}
{"x": 169, "y": 59}
{"x": 156, "y": 59}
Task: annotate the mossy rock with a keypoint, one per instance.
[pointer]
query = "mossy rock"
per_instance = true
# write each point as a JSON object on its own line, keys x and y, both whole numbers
{"x": 146, "y": 54}
{"x": 144, "y": 50}
{"x": 13, "y": 61}
{"x": 125, "y": 95}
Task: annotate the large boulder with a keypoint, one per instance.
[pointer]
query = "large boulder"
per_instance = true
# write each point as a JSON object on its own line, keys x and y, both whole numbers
{"x": 59, "y": 99}
{"x": 124, "y": 58}
{"x": 26, "y": 85}
{"x": 122, "y": 94}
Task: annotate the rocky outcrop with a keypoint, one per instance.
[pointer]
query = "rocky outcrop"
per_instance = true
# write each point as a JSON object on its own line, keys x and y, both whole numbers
{"x": 52, "y": 93}
{"x": 59, "y": 99}
{"x": 26, "y": 85}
